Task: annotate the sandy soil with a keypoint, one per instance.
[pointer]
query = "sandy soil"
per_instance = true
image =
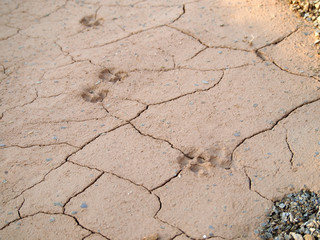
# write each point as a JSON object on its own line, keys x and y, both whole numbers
{"x": 123, "y": 119}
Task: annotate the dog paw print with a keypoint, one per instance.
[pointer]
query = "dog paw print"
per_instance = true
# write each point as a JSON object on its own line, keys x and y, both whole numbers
{"x": 94, "y": 95}
{"x": 110, "y": 76}
{"x": 91, "y": 21}
{"x": 205, "y": 160}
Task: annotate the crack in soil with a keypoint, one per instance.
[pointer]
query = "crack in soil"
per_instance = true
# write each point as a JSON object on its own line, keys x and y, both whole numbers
{"x": 80, "y": 225}
{"x": 123, "y": 5}
{"x": 3, "y": 69}
{"x": 120, "y": 177}
{"x": 83, "y": 190}
{"x": 72, "y": 121}
{"x": 17, "y": 219}
{"x": 27, "y": 103}
{"x": 274, "y": 125}
{"x": 264, "y": 58}
{"x": 219, "y": 69}
{"x": 67, "y": 160}
{"x": 183, "y": 12}
{"x": 40, "y": 145}
{"x": 37, "y": 19}
{"x": 141, "y": 185}
{"x": 258, "y": 53}
{"x": 159, "y": 139}
{"x": 91, "y": 234}
{"x": 65, "y": 53}
{"x": 62, "y": 214}
{"x": 167, "y": 181}
{"x": 42, "y": 180}
{"x": 111, "y": 173}
{"x": 157, "y": 218}
{"x": 197, "y": 53}
{"x": 297, "y": 74}
{"x": 250, "y": 186}
{"x": 188, "y": 34}
{"x": 132, "y": 33}
{"x": 19, "y": 214}
{"x": 128, "y": 36}
{"x": 290, "y": 149}
{"x": 279, "y": 40}
{"x": 56, "y": 10}
{"x": 183, "y": 95}
{"x": 12, "y": 35}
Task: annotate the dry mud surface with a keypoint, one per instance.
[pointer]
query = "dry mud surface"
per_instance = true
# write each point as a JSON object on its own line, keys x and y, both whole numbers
{"x": 123, "y": 119}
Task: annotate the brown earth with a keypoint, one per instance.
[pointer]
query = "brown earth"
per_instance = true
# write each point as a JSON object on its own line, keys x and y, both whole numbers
{"x": 129, "y": 119}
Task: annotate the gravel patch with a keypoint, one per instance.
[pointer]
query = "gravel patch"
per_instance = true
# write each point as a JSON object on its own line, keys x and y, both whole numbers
{"x": 310, "y": 11}
{"x": 295, "y": 217}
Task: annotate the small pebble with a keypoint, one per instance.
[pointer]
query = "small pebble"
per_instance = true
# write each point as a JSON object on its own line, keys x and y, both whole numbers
{"x": 2, "y": 145}
{"x": 83, "y": 205}
{"x": 282, "y": 205}
{"x": 58, "y": 204}
{"x": 205, "y": 82}
{"x": 236, "y": 134}
{"x": 52, "y": 219}
{"x": 308, "y": 237}
{"x": 74, "y": 212}
{"x": 49, "y": 159}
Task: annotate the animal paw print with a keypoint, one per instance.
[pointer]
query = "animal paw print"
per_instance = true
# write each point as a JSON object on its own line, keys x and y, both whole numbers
{"x": 94, "y": 95}
{"x": 205, "y": 160}
{"x": 91, "y": 21}
{"x": 109, "y": 75}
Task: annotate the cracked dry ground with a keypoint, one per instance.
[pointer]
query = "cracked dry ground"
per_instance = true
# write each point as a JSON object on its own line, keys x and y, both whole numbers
{"x": 123, "y": 118}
